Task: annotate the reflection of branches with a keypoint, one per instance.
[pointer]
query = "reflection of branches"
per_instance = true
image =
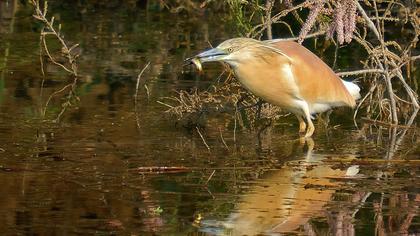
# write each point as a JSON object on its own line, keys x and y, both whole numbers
{"x": 393, "y": 214}
{"x": 394, "y": 223}
{"x": 379, "y": 219}
{"x": 340, "y": 219}
{"x": 67, "y": 52}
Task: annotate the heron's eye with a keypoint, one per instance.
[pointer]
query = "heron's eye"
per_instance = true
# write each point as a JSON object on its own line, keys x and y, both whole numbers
{"x": 230, "y": 50}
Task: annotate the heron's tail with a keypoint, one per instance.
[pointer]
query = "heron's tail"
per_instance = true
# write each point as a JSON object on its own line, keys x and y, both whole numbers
{"x": 353, "y": 89}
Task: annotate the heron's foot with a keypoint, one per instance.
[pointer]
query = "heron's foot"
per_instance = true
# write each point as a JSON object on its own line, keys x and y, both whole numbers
{"x": 302, "y": 127}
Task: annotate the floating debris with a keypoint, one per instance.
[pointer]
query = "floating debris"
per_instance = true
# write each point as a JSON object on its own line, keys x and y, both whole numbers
{"x": 161, "y": 169}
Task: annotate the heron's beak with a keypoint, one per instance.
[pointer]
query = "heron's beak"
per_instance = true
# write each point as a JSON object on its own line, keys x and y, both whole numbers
{"x": 214, "y": 54}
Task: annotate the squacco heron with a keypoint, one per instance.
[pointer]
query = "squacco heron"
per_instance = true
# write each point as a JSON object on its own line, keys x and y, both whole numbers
{"x": 285, "y": 74}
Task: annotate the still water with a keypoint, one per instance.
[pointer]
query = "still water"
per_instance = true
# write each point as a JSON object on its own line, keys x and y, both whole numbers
{"x": 100, "y": 170}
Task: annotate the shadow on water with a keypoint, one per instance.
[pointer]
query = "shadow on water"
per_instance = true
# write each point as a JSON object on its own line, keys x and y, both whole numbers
{"x": 82, "y": 176}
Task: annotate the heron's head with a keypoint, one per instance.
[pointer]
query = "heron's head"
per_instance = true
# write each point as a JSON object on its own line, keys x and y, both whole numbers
{"x": 229, "y": 51}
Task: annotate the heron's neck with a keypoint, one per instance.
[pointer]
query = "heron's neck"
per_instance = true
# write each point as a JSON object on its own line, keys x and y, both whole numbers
{"x": 233, "y": 64}
{"x": 237, "y": 59}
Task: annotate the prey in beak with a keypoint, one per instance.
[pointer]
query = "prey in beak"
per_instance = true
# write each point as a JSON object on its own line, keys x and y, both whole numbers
{"x": 214, "y": 54}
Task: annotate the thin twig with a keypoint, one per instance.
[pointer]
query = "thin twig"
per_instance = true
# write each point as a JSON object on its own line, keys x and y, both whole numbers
{"x": 211, "y": 176}
{"x": 136, "y": 94}
{"x": 234, "y": 128}
{"x": 44, "y": 41}
{"x": 369, "y": 22}
{"x": 54, "y": 94}
{"x": 165, "y": 104}
{"x": 385, "y": 124}
{"x": 276, "y": 18}
{"x": 358, "y": 72}
{"x": 361, "y": 102}
{"x": 313, "y": 35}
{"x": 202, "y": 138}
{"x": 223, "y": 140}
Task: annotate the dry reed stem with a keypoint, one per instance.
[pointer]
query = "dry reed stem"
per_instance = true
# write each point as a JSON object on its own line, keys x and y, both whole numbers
{"x": 136, "y": 93}
{"x": 268, "y": 7}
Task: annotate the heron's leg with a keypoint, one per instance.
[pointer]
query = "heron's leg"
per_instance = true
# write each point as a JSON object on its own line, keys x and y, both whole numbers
{"x": 302, "y": 124}
{"x": 305, "y": 108}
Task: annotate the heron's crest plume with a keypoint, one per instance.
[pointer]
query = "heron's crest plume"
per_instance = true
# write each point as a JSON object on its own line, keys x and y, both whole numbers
{"x": 237, "y": 44}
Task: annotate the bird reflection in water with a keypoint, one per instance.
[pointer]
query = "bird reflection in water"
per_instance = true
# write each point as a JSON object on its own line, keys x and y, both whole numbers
{"x": 286, "y": 199}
